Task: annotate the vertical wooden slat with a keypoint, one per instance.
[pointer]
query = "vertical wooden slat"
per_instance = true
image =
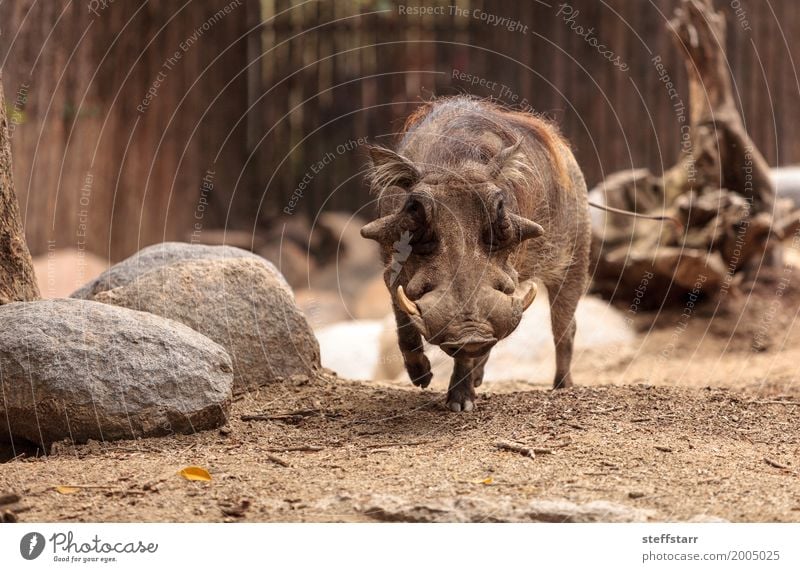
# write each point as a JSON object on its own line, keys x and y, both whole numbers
{"x": 50, "y": 172}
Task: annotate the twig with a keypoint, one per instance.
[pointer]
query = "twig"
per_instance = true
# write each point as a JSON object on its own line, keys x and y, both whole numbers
{"x": 397, "y": 444}
{"x": 565, "y": 443}
{"x": 98, "y": 487}
{"x": 576, "y": 426}
{"x": 663, "y": 449}
{"x": 281, "y": 416}
{"x": 775, "y": 402}
{"x": 522, "y": 450}
{"x": 776, "y": 464}
{"x": 608, "y": 409}
{"x": 298, "y": 448}
{"x": 640, "y": 419}
{"x": 277, "y": 460}
{"x": 107, "y": 488}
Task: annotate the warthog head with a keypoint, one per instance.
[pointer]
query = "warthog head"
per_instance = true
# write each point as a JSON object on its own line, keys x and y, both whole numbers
{"x": 450, "y": 238}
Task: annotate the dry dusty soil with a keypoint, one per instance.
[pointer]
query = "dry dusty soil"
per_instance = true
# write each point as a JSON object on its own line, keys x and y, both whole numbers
{"x": 700, "y": 422}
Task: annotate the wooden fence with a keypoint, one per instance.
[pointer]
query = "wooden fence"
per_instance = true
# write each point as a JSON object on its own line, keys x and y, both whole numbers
{"x": 272, "y": 105}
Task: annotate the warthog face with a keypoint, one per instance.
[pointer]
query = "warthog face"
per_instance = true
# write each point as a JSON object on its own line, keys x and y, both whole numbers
{"x": 458, "y": 283}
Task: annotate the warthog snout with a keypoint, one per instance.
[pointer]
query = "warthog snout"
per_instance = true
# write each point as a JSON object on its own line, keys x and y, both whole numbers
{"x": 468, "y": 347}
{"x": 446, "y": 324}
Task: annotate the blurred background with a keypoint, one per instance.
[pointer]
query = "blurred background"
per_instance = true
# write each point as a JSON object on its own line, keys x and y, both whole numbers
{"x": 138, "y": 122}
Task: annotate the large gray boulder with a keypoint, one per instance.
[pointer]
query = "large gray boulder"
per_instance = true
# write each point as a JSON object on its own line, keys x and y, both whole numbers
{"x": 80, "y": 370}
{"x": 237, "y": 303}
{"x": 163, "y": 254}
{"x": 390, "y": 508}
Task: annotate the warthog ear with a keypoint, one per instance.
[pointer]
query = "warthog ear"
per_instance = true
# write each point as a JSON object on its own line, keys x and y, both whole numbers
{"x": 412, "y": 217}
{"x": 381, "y": 229}
{"x": 391, "y": 169}
{"x": 504, "y": 158}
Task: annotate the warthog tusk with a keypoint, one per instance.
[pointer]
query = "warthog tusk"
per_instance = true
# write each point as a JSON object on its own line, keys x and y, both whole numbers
{"x": 529, "y": 296}
{"x": 406, "y": 305}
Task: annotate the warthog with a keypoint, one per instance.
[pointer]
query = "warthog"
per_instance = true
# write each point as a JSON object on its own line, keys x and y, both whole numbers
{"x": 477, "y": 205}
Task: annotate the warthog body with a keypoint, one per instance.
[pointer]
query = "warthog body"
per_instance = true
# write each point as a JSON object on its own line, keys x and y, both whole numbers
{"x": 478, "y": 204}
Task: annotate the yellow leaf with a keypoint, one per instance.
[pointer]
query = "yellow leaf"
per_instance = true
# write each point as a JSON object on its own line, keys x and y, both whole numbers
{"x": 488, "y": 481}
{"x": 64, "y": 490}
{"x": 195, "y": 474}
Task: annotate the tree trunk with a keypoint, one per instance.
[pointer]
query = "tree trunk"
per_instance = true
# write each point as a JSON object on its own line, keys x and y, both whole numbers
{"x": 724, "y": 154}
{"x": 720, "y": 191}
{"x": 17, "y": 279}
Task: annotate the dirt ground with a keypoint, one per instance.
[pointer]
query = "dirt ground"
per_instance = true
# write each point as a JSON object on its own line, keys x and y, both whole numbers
{"x": 699, "y": 422}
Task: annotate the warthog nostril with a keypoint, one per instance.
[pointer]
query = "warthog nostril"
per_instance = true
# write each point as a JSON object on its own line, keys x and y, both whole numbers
{"x": 469, "y": 346}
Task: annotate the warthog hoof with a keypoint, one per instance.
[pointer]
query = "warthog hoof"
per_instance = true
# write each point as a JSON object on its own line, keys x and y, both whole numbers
{"x": 419, "y": 370}
{"x": 461, "y": 398}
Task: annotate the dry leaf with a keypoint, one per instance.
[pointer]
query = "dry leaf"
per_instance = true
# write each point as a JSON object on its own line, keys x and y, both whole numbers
{"x": 64, "y": 490}
{"x": 195, "y": 474}
{"x": 488, "y": 481}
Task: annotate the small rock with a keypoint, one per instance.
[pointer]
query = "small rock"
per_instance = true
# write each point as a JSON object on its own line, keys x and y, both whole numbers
{"x": 237, "y": 303}
{"x": 706, "y": 518}
{"x": 594, "y": 511}
{"x": 79, "y": 370}
{"x": 235, "y": 508}
{"x": 636, "y": 494}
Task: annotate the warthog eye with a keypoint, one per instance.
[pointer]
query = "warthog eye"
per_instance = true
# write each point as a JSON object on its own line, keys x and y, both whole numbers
{"x": 423, "y": 238}
{"x": 498, "y": 234}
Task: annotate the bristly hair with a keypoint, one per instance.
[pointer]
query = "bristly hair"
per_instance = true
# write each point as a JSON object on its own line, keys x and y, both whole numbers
{"x": 534, "y": 125}
{"x": 392, "y": 172}
{"x": 548, "y": 134}
{"x": 518, "y": 172}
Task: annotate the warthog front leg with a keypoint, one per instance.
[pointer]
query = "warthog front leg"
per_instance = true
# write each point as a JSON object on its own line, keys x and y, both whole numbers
{"x": 410, "y": 341}
{"x": 564, "y": 297}
{"x": 467, "y": 375}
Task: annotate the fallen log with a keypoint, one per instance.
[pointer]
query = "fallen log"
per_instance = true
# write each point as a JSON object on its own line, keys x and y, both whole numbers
{"x": 720, "y": 190}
